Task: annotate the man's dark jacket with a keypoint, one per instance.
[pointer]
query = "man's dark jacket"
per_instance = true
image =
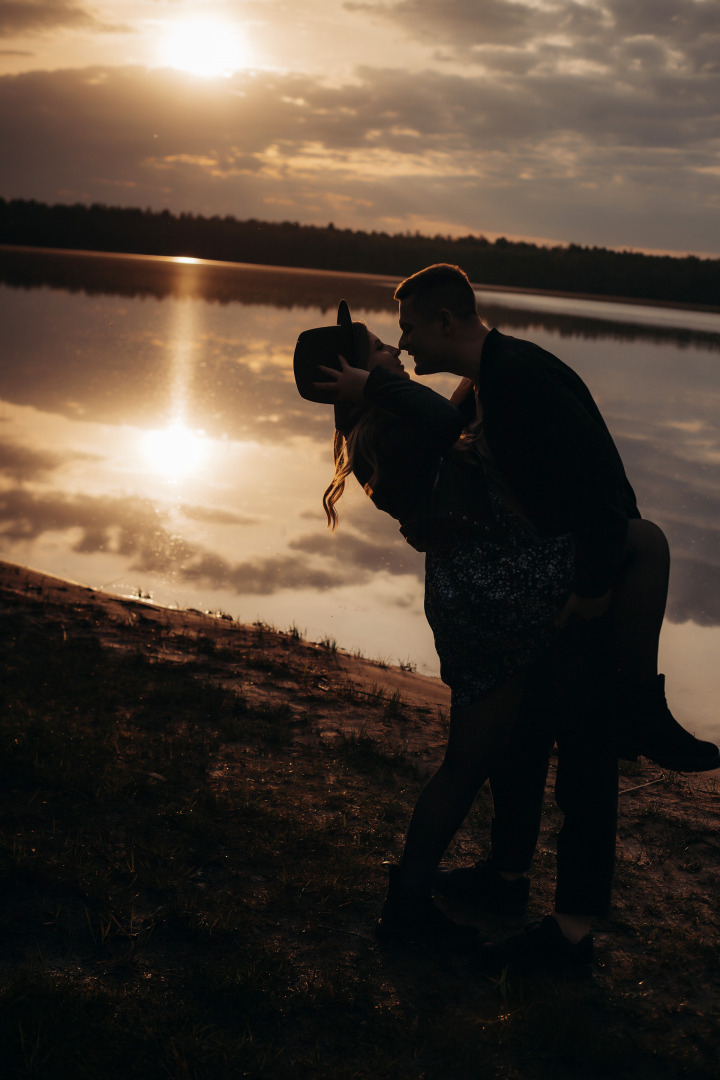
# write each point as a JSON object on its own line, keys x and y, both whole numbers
{"x": 551, "y": 444}
{"x": 547, "y": 438}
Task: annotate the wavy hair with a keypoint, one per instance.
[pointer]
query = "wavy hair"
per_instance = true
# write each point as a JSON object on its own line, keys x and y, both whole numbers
{"x": 348, "y": 450}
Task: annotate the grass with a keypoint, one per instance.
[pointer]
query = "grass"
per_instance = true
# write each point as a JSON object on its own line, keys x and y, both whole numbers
{"x": 190, "y": 878}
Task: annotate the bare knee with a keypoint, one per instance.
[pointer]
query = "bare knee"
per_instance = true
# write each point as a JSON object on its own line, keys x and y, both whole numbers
{"x": 646, "y": 540}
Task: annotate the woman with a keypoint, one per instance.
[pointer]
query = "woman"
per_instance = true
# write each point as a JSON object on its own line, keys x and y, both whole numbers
{"x": 493, "y": 588}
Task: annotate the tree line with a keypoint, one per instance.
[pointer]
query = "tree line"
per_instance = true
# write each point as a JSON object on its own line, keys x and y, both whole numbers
{"x": 565, "y": 268}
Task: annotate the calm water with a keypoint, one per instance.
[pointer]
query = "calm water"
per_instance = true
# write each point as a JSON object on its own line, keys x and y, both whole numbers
{"x": 151, "y": 439}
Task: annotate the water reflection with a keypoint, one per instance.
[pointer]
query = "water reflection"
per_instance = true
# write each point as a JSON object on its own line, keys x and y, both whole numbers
{"x": 137, "y": 276}
{"x": 175, "y": 452}
{"x": 151, "y": 438}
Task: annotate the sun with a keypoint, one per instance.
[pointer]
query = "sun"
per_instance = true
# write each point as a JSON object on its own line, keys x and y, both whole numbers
{"x": 204, "y": 47}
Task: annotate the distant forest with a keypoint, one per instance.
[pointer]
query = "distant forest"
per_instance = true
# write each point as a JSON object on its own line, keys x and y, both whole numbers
{"x": 572, "y": 268}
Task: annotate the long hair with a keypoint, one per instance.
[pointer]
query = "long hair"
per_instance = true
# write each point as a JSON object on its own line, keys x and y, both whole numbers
{"x": 358, "y": 445}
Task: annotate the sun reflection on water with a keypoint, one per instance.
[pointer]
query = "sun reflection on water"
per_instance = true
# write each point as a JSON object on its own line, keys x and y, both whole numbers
{"x": 175, "y": 452}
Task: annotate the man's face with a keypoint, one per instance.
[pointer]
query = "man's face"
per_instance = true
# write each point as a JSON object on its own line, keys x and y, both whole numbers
{"x": 422, "y": 337}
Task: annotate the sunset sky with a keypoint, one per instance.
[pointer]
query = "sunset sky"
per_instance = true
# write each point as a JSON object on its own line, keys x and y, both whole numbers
{"x": 587, "y": 121}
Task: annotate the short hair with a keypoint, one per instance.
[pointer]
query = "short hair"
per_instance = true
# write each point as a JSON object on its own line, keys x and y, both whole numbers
{"x": 441, "y": 286}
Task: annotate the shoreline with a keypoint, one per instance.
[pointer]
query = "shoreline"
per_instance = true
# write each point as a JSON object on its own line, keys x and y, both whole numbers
{"x": 139, "y": 620}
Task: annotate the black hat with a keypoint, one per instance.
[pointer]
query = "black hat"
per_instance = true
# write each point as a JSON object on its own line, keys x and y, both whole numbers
{"x": 322, "y": 346}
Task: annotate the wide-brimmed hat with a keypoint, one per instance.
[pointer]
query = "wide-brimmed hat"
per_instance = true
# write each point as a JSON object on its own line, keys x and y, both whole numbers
{"x": 322, "y": 346}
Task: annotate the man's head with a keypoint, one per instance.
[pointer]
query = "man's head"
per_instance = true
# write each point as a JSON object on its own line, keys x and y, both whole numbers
{"x": 438, "y": 319}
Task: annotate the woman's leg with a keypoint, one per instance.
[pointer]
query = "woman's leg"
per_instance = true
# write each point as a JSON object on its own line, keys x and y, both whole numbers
{"x": 478, "y": 736}
{"x": 639, "y": 599}
{"x": 499, "y": 882}
{"x": 644, "y": 722}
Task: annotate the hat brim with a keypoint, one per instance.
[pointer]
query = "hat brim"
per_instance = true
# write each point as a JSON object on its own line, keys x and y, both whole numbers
{"x": 321, "y": 347}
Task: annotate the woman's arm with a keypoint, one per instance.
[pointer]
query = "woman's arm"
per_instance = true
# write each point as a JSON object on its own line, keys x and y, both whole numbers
{"x": 429, "y": 413}
{"x": 433, "y": 416}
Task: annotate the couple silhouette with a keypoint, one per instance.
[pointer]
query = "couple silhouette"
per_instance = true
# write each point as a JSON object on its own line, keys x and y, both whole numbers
{"x": 545, "y": 590}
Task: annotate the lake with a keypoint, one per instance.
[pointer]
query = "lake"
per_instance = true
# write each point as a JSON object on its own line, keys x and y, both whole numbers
{"x": 152, "y": 443}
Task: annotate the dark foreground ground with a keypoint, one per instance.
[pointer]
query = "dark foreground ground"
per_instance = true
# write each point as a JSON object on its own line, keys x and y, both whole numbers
{"x": 193, "y": 825}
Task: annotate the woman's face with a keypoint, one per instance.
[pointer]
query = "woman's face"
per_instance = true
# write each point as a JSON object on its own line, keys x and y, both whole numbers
{"x": 384, "y": 355}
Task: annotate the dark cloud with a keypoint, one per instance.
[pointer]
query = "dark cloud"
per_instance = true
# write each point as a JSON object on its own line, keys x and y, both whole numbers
{"x": 678, "y": 21}
{"x": 694, "y": 593}
{"x": 127, "y": 527}
{"x": 262, "y": 576}
{"x": 33, "y": 16}
{"x": 388, "y": 553}
{"x": 24, "y": 463}
{"x": 462, "y": 23}
{"x": 611, "y": 32}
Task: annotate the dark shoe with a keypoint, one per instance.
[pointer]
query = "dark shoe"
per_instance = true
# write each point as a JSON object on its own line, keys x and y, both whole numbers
{"x": 408, "y": 919}
{"x": 647, "y": 727}
{"x": 541, "y": 948}
{"x": 483, "y": 886}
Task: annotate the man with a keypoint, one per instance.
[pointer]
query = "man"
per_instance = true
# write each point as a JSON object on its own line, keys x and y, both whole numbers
{"x": 546, "y": 442}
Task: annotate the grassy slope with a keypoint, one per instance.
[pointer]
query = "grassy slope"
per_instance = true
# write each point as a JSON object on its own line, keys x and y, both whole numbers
{"x": 192, "y": 863}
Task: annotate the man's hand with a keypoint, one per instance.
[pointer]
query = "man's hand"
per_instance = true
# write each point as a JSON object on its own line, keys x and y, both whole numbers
{"x": 348, "y": 384}
{"x": 587, "y": 607}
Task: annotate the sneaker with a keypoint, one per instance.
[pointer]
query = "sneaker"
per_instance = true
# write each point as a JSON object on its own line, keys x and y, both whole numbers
{"x": 484, "y": 887}
{"x": 407, "y": 919}
{"x": 542, "y": 947}
{"x": 649, "y": 728}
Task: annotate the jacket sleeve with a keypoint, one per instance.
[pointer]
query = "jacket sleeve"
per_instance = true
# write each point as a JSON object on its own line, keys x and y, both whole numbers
{"x": 438, "y": 422}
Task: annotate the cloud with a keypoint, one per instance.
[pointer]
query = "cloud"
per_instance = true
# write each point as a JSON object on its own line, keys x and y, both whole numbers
{"x": 125, "y": 527}
{"x": 214, "y": 515}
{"x": 390, "y": 553}
{"x": 24, "y": 463}
{"x": 461, "y": 23}
{"x": 567, "y": 37}
{"x": 576, "y": 153}
{"x": 694, "y": 593}
{"x": 36, "y": 16}
{"x": 262, "y": 576}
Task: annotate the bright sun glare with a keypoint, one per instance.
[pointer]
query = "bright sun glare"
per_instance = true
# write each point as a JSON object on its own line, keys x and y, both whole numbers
{"x": 204, "y": 47}
{"x": 175, "y": 453}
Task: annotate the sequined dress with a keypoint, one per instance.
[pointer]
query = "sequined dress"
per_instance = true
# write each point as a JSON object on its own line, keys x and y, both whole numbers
{"x": 491, "y": 601}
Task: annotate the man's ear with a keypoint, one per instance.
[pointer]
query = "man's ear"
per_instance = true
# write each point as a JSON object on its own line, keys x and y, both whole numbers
{"x": 447, "y": 321}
